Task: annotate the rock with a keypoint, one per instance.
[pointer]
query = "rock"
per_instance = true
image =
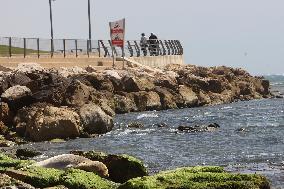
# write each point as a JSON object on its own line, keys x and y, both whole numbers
{"x": 121, "y": 167}
{"x": 197, "y": 128}
{"x": 246, "y": 88}
{"x": 167, "y": 99}
{"x": 112, "y": 74}
{"x": 50, "y": 88}
{"x": 167, "y": 83}
{"x": 46, "y": 123}
{"x": 16, "y": 92}
{"x": 4, "y": 69}
{"x": 136, "y": 125}
{"x": 78, "y": 94}
{"x": 90, "y": 69}
{"x": 67, "y": 161}
{"x": 203, "y": 99}
{"x": 189, "y": 97}
{"x": 27, "y": 153}
{"x": 95, "y": 120}
{"x": 6, "y": 116}
{"x": 17, "y": 97}
{"x": 69, "y": 72}
{"x": 29, "y": 67}
{"x": 161, "y": 125}
{"x": 135, "y": 84}
{"x": 71, "y": 178}
{"x": 57, "y": 187}
{"x": 124, "y": 104}
{"x": 117, "y": 84}
{"x": 97, "y": 81}
{"x": 198, "y": 177}
{"x": 242, "y": 129}
{"x": 147, "y": 100}
{"x": 3, "y": 128}
{"x": 7, "y": 182}
{"x": 18, "y": 78}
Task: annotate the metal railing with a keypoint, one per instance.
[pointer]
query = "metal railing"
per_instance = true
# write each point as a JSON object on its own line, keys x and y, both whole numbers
{"x": 36, "y": 47}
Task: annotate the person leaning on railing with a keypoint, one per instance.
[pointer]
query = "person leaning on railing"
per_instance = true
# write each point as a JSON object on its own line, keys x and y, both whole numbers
{"x": 153, "y": 48}
{"x": 144, "y": 44}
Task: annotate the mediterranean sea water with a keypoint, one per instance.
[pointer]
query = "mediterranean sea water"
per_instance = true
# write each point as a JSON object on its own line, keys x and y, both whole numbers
{"x": 258, "y": 148}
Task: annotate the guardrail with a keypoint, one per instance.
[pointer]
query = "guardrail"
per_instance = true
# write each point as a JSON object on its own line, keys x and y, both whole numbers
{"x": 30, "y": 47}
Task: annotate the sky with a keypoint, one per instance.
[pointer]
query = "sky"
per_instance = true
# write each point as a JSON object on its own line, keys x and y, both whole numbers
{"x": 238, "y": 33}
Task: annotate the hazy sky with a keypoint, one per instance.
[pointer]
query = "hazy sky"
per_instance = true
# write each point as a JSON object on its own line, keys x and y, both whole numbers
{"x": 238, "y": 33}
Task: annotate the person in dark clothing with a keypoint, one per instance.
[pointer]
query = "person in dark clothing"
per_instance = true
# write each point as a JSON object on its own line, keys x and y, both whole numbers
{"x": 153, "y": 41}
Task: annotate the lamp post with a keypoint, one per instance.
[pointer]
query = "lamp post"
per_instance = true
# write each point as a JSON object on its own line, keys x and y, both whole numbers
{"x": 90, "y": 28}
{"x": 51, "y": 28}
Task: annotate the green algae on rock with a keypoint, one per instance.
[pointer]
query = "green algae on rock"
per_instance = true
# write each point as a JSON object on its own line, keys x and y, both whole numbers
{"x": 46, "y": 177}
{"x": 121, "y": 168}
{"x": 198, "y": 178}
{"x": 78, "y": 179}
{"x": 8, "y": 162}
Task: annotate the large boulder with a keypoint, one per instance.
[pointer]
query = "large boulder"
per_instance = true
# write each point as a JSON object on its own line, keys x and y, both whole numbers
{"x": 17, "y": 97}
{"x": 78, "y": 94}
{"x": 166, "y": 97}
{"x": 135, "y": 84}
{"x": 189, "y": 97}
{"x": 121, "y": 168}
{"x": 49, "y": 88}
{"x": 166, "y": 82}
{"x": 95, "y": 120}
{"x": 46, "y": 123}
{"x": 6, "y": 116}
{"x": 147, "y": 100}
{"x": 97, "y": 81}
{"x": 124, "y": 104}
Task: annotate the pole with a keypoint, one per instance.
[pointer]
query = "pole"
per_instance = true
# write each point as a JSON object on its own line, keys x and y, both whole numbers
{"x": 90, "y": 27}
{"x": 51, "y": 28}
{"x": 112, "y": 49}
{"x": 123, "y": 57}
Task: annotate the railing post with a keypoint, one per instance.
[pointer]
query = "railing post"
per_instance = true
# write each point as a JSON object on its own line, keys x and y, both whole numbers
{"x": 76, "y": 47}
{"x": 37, "y": 41}
{"x": 51, "y": 48}
{"x": 25, "y": 48}
{"x": 88, "y": 53}
{"x": 64, "y": 48}
{"x": 99, "y": 48}
{"x": 10, "y": 46}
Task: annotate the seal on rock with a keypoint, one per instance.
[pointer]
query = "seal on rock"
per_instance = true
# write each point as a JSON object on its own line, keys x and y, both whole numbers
{"x": 66, "y": 161}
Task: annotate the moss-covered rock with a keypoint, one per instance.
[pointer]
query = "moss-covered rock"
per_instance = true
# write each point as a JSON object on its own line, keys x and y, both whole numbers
{"x": 27, "y": 153}
{"x": 8, "y": 162}
{"x": 198, "y": 178}
{"x": 8, "y": 182}
{"x": 121, "y": 168}
{"x": 45, "y": 177}
{"x": 78, "y": 179}
{"x": 42, "y": 177}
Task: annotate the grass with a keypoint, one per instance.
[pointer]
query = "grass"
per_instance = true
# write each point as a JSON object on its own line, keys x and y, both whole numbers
{"x": 4, "y": 51}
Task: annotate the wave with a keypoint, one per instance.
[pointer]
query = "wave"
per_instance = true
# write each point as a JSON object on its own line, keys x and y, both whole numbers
{"x": 152, "y": 115}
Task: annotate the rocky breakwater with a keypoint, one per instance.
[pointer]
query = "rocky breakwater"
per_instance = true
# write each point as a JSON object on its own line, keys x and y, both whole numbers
{"x": 42, "y": 104}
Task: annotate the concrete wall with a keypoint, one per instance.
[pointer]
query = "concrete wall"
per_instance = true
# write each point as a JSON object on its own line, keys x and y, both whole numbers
{"x": 159, "y": 61}
{"x": 153, "y": 61}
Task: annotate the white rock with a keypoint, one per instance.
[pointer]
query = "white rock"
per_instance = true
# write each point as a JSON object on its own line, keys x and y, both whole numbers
{"x": 16, "y": 92}
{"x": 29, "y": 67}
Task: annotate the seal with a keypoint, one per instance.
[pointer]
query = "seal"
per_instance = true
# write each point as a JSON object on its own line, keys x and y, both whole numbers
{"x": 66, "y": 161}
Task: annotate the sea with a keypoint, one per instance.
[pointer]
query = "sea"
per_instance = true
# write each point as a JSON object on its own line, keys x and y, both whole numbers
{"x": 250, "y": 138}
